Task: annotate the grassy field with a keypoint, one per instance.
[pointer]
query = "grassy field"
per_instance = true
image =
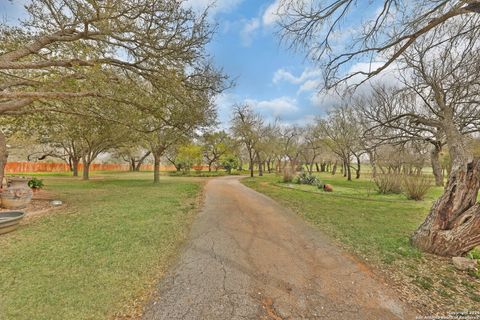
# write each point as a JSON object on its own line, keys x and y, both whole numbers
{"x": 99, "y": 256}
{"x": 377, "y": 229}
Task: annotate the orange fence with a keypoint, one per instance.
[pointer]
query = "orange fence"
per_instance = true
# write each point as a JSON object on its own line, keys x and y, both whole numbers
{"x": 23, "y": 167}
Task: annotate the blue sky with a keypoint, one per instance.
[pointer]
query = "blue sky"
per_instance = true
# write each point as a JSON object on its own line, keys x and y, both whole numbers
{"x": 274, "y": 80}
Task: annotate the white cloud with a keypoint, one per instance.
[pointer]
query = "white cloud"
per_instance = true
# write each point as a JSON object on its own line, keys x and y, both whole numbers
{"x": 248, "y": 30}
{"x": 389, "y": 76}
{"x": 270, "y": 16}
{"x": 277, "y": 107}
{"x": 224, "y": 103}
{"x": 284, "y": 75}
{"x": 310, "y": 85}
{"x": 328, "y": 99}
{"x": 325, "y": 100}
{"x": 216, "y": 6}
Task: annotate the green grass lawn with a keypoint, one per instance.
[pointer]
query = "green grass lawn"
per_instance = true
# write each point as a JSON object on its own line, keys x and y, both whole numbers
{"x": 377, "y": 228}
{"x": 102, "y": 252}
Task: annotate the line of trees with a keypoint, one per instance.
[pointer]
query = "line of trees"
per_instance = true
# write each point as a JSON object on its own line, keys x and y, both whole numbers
{"x": 432, "y": 46}
{"x": 86, "y": 77}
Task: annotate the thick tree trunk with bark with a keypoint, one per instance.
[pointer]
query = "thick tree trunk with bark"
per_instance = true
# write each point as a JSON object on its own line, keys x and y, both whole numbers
{"x": 75, "y": 162}
{"x": 436, "y": 166}
{"x": 334, "y": 168}
{"x": 349, "y": 170}
{"x": 133, "y": 162}
{"x": 373, "y": 162}
{"x": 357, "y": 171}
{"x": 250, "y": 154}
{"x": 86, "y": 169}
{"x": 323, "y": 167}
{"x": 3, "y": 156}
{"x": 452, "y": 227}
{"x": 156, "y": 168}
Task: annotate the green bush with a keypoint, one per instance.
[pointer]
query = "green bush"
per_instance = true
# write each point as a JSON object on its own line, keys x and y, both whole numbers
{"x": 35, "y": 183}
{"x": 416, "y": 187}
{"x": 388, "y": 183}
{"x": 474, "y": 254}
{"x": 320, "y": 184}
{"x": 229, "y": 162}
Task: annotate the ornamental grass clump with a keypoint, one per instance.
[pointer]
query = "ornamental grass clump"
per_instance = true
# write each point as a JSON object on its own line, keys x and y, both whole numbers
{"x": 307, "y": 178}
{"x": 388, "y": 183}
{"x": 287, "y": 175}
{"x": 416, "y": 187}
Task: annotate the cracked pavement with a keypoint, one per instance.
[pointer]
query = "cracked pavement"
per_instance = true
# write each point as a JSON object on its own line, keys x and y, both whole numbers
{"x": 250, "y": 258}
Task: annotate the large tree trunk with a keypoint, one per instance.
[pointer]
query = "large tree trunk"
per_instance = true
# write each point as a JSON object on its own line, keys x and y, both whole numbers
{"x": 156, "y": 168}
{"x": 452, "y": 227}
{"x": 86, "y": 169}
{"x": 357, "y": 171}
{"x": 75, "y": 162}
{"x": 3, "y": 157}
{"x": 373, "y": 162}
{"x": 436, "y": 166}
{"x": 323, "y": 166}
{"x": 132, "y": 164}
{"x": 250, "y": 154}
{"x": 334, "y": 169}
{"x": 349, "y": 170}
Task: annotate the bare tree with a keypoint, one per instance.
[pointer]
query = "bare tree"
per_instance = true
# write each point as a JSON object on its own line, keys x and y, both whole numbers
{"x": 324, "y": 30}
{"x": 290, "y": 142}
{"x": 247, "y": 126}
{"x": 343, "y": 134}
{"x": 312, "y": 146}
{"x": 440, "y": 103}
{"x": 381, "y": 112}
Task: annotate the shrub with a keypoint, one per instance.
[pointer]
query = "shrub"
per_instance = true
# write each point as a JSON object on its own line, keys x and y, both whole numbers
{"x": 388, "y": 183}
{"x": 306, "y": 178}
{"x": 229, "y": 162}
{"x": 474, "y": 253}
{"x": 416, "y": 187}
{"x": 287, "y": 175}
{"x": 320, "y": 184}
{"x": 35, "y": 183}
